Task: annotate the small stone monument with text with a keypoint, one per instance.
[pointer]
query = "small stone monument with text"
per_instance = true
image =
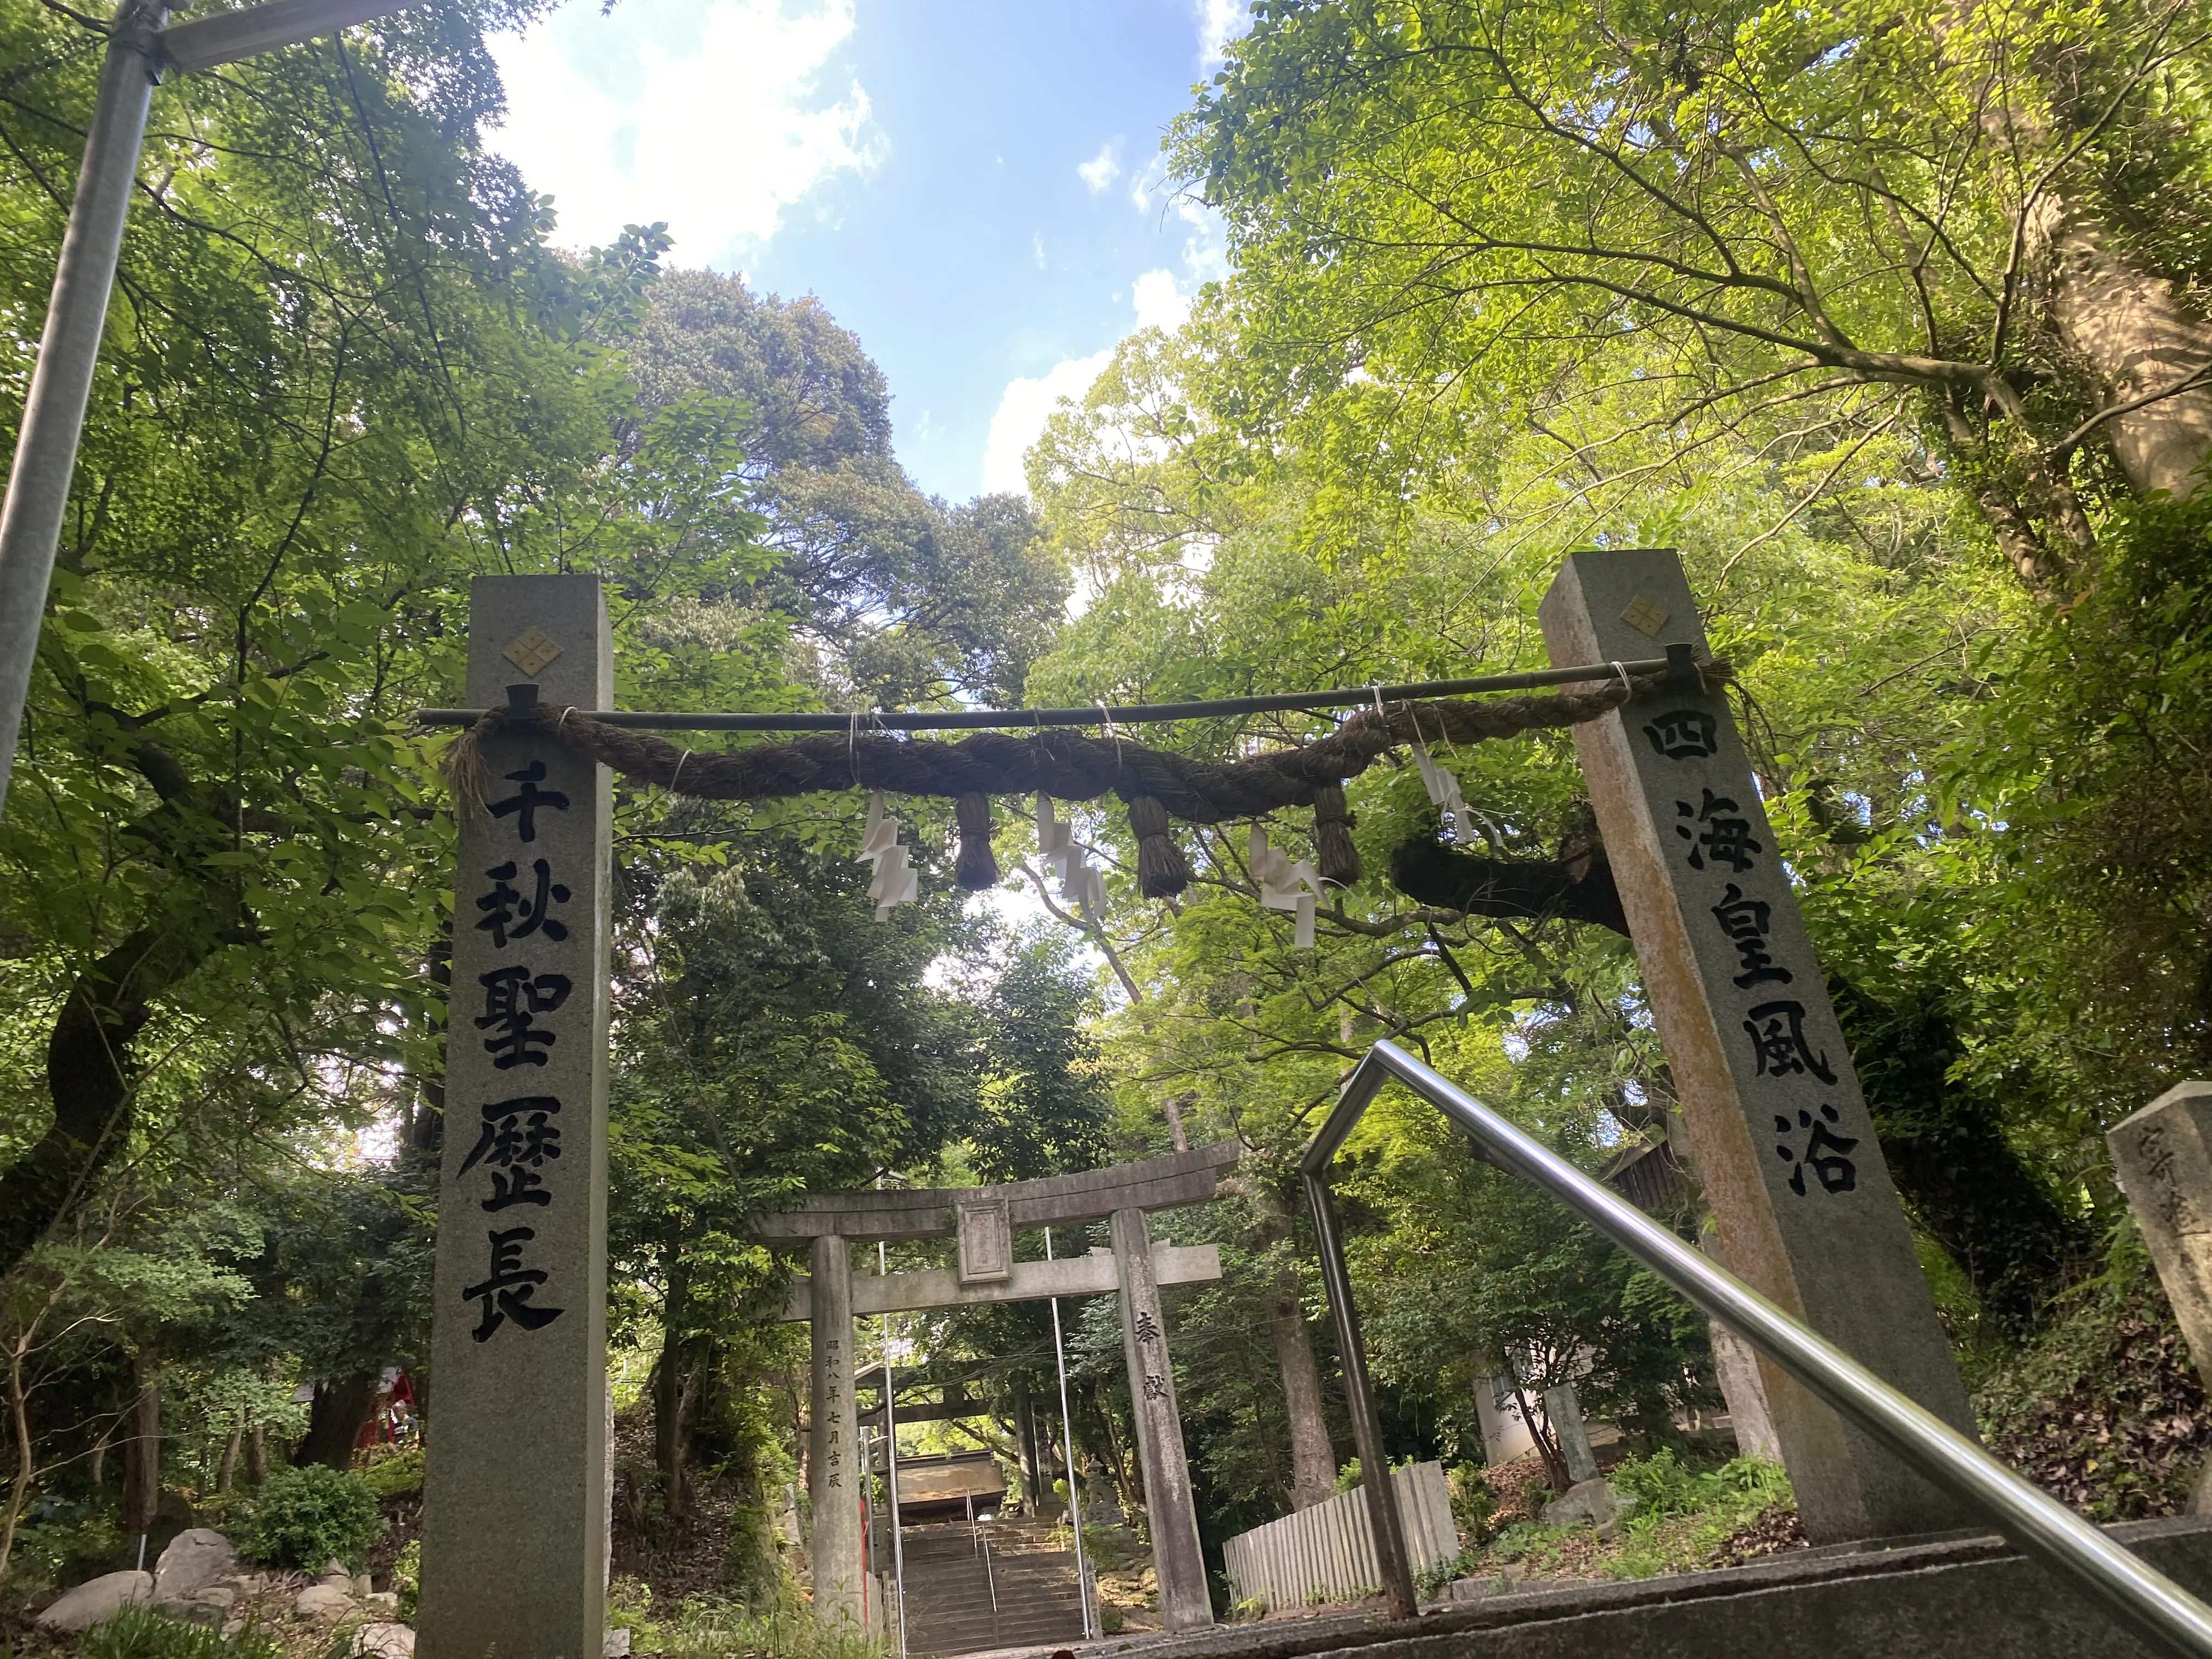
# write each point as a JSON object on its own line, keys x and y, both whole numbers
{"x": 2163, "y": 1156}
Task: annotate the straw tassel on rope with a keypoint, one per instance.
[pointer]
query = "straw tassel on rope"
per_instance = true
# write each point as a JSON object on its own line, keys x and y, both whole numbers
{"x": 1161, "y": 870}
{"x": 1334, "y": 852}
{"x": 974, "y": 867}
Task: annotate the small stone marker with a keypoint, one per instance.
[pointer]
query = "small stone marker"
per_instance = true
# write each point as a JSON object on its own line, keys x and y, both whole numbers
{"x": 1781, "y": 1135}
{"x": 2163, "y": 1154}
{"x": 516, "y": 1503}
{"x": 1565, "y": 1413}
{"x": 1177, "y": 1562}
{"x": 833, "y": 1464}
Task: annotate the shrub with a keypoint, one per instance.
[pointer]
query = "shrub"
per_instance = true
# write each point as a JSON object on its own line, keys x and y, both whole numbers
{"x": 1474, "y": 1505}
{"x": 304, "y": 1518}
{"x": 1666, "y": 1487}
{"x": 394, "y": 1474}
{"x": 407, "y": 1581}
{"x": 137, "y": 1632}
{"x": 63, "y": 1541}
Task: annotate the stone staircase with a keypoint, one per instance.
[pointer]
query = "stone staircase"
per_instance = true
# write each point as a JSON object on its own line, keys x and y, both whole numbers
{"x": 998, "y": 1585}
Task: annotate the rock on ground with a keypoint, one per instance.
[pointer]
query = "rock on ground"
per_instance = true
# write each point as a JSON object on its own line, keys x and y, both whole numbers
{"x": 196, "y": 1556}
{"x": 324, "y": 1601}
{"x": 1590, "y": 1503}
{"x": 383, "y": 1641}
{"x": 96, "y": 1600}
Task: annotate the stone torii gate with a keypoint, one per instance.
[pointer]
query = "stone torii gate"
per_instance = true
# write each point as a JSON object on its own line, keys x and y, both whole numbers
{"x": 983, "y": 1219}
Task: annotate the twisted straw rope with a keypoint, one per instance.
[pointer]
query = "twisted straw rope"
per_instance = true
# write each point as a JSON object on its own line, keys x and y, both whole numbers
{"x": 1066, "y": 765}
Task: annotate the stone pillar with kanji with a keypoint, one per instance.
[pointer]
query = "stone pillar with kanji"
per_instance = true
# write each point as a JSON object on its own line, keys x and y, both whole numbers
{"x": 1784, "y": 1145}
{"x": 833, "y": 1460}
{"x": 2163, "y": 1156}
{"x": 1178, "y": 1562}
{"x": 514, "y": 1517}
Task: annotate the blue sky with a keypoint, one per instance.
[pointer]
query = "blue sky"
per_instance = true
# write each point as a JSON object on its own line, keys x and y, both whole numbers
{"x": 972, "y": 186}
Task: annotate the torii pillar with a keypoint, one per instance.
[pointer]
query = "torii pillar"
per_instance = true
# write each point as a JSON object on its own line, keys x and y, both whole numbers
{"x": 1178, "y": 1560}
{"x": 833, "y": 1483}
{"x": 1784, "y": 1142}
{"x": 983, "y": 1220}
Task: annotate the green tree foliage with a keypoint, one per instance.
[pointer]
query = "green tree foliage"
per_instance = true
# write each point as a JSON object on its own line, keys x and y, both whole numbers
{"x": 1668, "y": 223}
{"x": 344, "y": 372}
{"x": 902, "y": 598}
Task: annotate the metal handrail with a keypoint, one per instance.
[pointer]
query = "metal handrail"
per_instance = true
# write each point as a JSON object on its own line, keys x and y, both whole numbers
{"x": 2153, "y": 1605}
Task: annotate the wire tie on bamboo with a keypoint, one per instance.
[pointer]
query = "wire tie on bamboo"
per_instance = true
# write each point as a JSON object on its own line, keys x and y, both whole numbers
{"x": 678, "y": 772}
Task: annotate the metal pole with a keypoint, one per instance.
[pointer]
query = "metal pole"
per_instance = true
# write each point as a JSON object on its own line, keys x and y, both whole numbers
{"x": 1390, "y": 1559}
{"x": 1067, "y": 1434}
{"x": 2164, "y": 1614}
{"x": 891, "y": 1462}
{"x": 867, "y": 1527}
{"x": 54, "y": 413}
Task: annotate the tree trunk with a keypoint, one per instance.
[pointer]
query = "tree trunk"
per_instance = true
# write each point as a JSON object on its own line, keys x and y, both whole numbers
{"x": 426, "y": 1120}
{"x": 1313, "y": 1459}
{"x": 18, "y": 1426}
{"x": 1173, "y": 1105}
{"x": 1547, "y": 1441}
{"x": 2131, "y": 329}
{"x": 229, "y": 1466}
{"x": 257, "y": 1455}
{"x": 1025, "y": 1446}
{"x": 105, "y": 1008}
{"x": 335, "y": 1420}
{"x": 671, "y": 1398}
{"x": 88, "y": 1050}
{"x": 142, "y": 1452}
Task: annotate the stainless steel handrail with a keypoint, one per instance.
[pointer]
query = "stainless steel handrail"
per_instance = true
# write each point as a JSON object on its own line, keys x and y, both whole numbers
{"x": 2153, "y": 1605}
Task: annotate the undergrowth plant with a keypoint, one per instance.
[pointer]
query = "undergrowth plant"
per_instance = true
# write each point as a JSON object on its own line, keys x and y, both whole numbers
{"x": 728, "y": 1630}
{"x": 137, "y": 1632}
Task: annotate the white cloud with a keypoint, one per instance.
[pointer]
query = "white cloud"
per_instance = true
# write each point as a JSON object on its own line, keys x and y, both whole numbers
{"x": 1028, "y": 402}
{"x": 1219, "y": 22}
{"x": 711, "y": 116}
{"x": 1036, "y": 246}
{"x": 1101, "y": 169}
{"x": 1159, "y": 302}
{"x": 1023, "y": 408}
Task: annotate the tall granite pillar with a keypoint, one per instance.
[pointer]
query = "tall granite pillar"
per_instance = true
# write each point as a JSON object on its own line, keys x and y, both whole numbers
{"x": 2163, "y": 1154}
{"x": 833, "y": 1478}
{"x": 1783, "y": 1140}
{"x": 1177, "y": 1561}
{"x": 514, "y": 1509}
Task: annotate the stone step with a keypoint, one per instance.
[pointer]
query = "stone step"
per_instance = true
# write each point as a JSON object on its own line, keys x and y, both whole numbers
{"x": 949, "y": 1590}
{"x": 1959, "y": 1596}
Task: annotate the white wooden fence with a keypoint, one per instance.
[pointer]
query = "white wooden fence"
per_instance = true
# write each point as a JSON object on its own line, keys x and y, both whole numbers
{"x": 1328, "y": 1550}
